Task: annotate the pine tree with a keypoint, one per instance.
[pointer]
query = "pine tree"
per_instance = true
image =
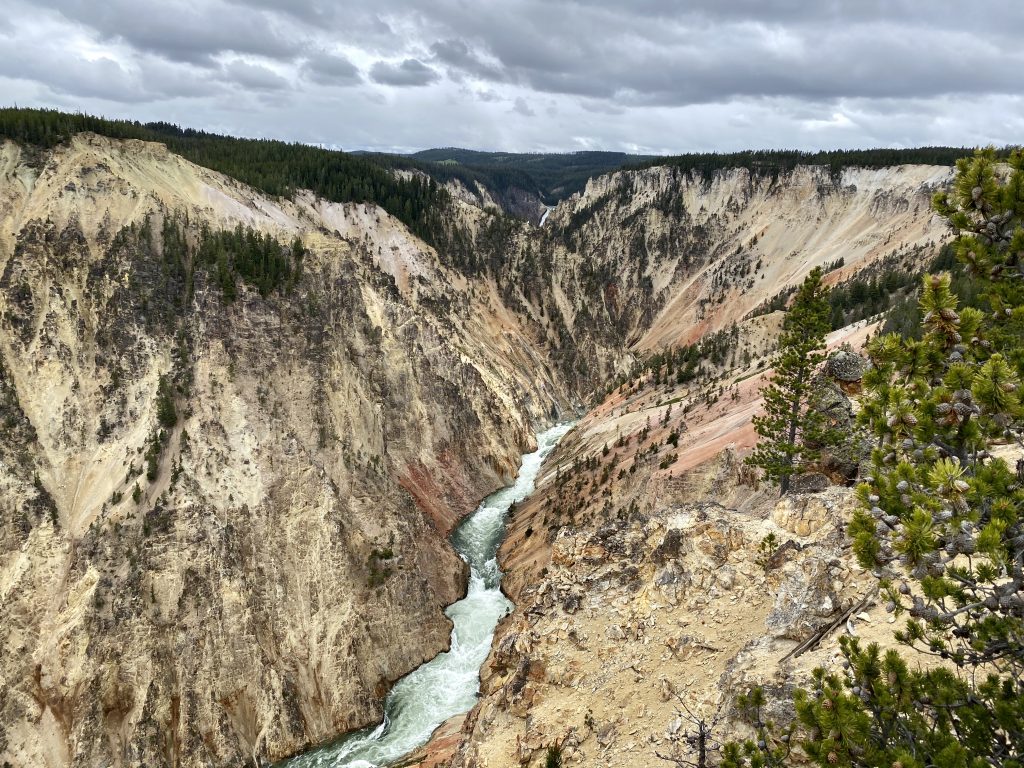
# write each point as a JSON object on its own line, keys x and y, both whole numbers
{"x": 790, "y": 424}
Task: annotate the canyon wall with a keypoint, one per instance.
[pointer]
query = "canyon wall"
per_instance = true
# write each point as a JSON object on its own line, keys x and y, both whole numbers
{"x": 229, "y": 585}
{"x": 257, "y": 592}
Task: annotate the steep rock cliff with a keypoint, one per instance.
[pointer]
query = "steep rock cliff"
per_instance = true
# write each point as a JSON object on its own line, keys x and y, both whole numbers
{"x": 252, "y": 589}
{"x": 642, "y": 260}
{"x": 655, "y": 580}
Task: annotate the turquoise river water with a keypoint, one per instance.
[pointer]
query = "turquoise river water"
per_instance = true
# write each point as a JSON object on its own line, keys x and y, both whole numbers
{"x": 448, "y": 684}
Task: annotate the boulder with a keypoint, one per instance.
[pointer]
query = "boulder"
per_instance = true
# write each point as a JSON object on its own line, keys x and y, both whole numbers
{"x": 726, "y": 577}
{"x": 805, "y": 602}
{"x": 846, "y": 366}
{"x": 802, "y": 516}
{"x": 809, "y": 482}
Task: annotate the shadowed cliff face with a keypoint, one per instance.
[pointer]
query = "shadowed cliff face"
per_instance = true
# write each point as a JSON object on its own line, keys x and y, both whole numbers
{"x": 250, "y": 578}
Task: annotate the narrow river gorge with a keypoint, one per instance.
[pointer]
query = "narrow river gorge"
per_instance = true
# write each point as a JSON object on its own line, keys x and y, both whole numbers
{"x": 448, "y": 684}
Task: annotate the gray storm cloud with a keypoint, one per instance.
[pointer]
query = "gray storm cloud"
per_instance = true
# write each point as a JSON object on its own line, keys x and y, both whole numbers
{"x": 406, "y": 73}
{"x": 331, "y": 69}
{"x": 650, "y": 75}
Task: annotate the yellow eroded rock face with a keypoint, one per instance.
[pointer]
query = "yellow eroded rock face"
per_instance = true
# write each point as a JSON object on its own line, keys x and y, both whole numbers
{"x": 286, "y": 560}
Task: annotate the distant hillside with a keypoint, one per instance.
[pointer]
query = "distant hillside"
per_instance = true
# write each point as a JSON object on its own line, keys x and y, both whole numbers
{"x": 772, "y": 162}
{"x": 277, "y": 168}
{"x": 555, "y": 176}
{"x": 519, "y": 183}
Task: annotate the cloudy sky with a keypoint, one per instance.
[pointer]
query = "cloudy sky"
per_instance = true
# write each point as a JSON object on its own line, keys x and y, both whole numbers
{"x": 657, "y": 76}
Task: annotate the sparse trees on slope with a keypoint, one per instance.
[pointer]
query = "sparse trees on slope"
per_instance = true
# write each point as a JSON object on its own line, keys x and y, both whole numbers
{"x": 942, "y": 522}
{"x": 790, "y": 424}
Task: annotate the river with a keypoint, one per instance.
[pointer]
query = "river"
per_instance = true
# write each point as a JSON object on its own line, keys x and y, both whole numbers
{"x": 448, "y": 684}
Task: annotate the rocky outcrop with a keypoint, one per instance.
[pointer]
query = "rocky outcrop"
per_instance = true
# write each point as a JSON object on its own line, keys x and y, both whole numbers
{"x": 846, "y": 366}
{"x": 676, "y": 600}
{"x": 839, "y": 379}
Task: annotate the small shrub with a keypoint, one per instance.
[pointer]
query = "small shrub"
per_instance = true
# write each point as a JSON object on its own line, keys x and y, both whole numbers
{"x": 766, "y": 551}
{"x": 166, "y": 413}
{"x": 379, "y": 573}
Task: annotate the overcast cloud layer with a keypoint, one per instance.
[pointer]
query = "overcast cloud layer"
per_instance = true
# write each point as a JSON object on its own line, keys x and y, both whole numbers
{"x": 652, "y": 76}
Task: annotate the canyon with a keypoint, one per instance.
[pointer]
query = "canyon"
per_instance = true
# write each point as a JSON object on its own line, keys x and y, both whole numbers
{"x": 255, "y": 585}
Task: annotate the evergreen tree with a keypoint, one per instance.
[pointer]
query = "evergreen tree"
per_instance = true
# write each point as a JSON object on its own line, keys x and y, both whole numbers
{"x": 791, "y": 424}
{"x": 942, "y": 521}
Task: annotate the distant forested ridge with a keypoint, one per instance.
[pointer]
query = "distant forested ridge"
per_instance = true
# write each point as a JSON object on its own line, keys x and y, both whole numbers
{"x": 554, "y": 176}
{"x": 280, "y": 168}
{"x": 773, "y": 162}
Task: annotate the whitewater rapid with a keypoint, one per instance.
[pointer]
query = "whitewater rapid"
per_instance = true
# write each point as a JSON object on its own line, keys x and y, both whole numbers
{"x": 448, "y": 684}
